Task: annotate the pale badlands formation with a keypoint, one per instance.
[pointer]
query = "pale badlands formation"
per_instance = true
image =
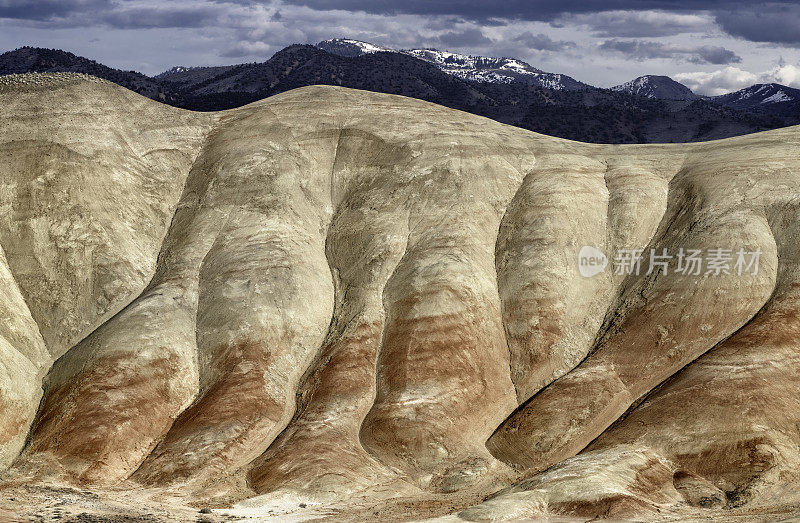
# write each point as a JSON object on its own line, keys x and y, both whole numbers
{"x": 356, "y": 306}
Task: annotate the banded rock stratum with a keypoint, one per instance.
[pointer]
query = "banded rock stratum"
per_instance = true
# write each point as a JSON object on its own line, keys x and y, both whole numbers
{"x": 342, "y": 304}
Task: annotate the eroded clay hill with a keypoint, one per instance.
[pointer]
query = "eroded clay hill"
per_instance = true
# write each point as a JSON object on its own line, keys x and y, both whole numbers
{"x": 334, "y": 300}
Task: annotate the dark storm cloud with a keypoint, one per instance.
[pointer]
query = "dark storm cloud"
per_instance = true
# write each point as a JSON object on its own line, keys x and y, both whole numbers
{"x": 712, "y": 54}
{"x": 41, "y": 10}
{"x": 541, "y": 10}
{"x": 773, "y": 23}
{"x": 118, "y": 14}
{"x": 645, "y": 50}
{"x": 542, "y": 42}
{"x": 634, "y": 24}
{"x": 471, "y": 37}
{"x": 637, "y": 49}
{"x": 147, "y": 18}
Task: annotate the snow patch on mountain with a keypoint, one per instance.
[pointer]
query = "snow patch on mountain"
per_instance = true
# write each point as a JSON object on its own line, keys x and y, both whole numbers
{"x": 780, "y": 96}
{"x": 365, "y": 47}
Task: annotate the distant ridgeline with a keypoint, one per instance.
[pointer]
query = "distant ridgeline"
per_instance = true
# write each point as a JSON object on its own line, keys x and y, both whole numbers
{"x": 649, "y": 109}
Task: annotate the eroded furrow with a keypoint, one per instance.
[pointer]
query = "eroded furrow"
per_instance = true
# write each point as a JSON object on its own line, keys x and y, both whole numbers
{"x": 727, "y": 421}
{"x": 443, "y": 370}
{"x": 319, "y": 457}
{"x": 111, "y": 398}
{"x": 550, "y": 312}
{"x": 266, "y": 300}
{"x": 667, "y": 321}
{"x": 23, "y": 361}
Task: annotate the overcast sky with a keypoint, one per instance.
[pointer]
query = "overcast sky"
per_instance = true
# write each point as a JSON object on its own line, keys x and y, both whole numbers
{"x": 713, "y": 46}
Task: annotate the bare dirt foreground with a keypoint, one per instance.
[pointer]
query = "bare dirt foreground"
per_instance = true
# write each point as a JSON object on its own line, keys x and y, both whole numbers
{"x": 349, "y": 306}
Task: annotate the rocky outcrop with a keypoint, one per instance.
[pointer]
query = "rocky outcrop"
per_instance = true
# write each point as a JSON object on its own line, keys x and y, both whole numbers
{"x": 333, "y": 298}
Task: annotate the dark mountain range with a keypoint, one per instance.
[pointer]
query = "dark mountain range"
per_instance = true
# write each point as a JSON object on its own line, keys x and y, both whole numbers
{"x": 301, "y": 65}
{"x": 39, "y": 60}
{"x": 605, "y": 116}
{"x": 587, "y": 114}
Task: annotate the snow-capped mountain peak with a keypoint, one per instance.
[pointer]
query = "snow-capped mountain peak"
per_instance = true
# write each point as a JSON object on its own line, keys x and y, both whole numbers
{"x": 766, "y": 93}
{"x": 348, "y": 47}
{"x": 469, "y": 67}
{"x": 654, "y": 86}
{"x": 462, "y": 62}
{"x": 175, "y": 70}
{"x": 759, "y": 96}
{"x": 494, "y": 70}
